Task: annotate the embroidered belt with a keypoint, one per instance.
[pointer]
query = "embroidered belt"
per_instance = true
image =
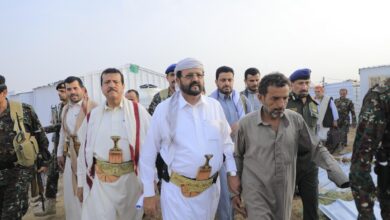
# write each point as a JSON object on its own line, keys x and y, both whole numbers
{"x": 110, "y": 172}
{"x": 192, "y": 187}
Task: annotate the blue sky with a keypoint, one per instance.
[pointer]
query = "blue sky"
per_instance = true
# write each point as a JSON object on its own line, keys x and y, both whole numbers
{"x": 43, "y": 41}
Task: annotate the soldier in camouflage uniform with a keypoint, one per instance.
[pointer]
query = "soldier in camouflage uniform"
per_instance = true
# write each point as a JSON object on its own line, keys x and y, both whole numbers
{"x": 165, "y": 93}
{"x": 372, "y": 139}
{"x": 53, "y": 173}
{"x": 344, "y": 107}
{"x": 15, "y": 178}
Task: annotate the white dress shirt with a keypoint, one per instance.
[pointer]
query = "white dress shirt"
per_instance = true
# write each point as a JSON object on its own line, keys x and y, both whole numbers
{"x": 112, "y": 124}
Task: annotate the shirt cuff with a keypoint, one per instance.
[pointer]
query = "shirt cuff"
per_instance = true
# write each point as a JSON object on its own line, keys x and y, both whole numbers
{"x": 149, "y": 190}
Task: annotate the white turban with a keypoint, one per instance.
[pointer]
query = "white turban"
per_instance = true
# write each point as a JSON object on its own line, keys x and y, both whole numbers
{"x": 188, "y": 63}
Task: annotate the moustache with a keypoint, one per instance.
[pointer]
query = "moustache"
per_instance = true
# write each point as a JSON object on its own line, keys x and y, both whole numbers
{"x": 112, "y": 89}
{"x": 194, "y": 84}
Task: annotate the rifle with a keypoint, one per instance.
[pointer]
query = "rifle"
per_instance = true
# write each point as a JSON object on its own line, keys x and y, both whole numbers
{"x": 37, "y": 187}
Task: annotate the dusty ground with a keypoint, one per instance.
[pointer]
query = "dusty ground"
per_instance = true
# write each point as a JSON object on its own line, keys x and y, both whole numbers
{"x": 60, "y": 215}
{"x": 297, "y": 204}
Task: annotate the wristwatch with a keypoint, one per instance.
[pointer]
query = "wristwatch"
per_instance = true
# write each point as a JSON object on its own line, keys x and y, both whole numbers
{"x": 232, "y": 173}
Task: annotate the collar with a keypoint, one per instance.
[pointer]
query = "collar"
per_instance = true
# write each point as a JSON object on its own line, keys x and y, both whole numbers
{"x": 107, "y": 108}
{"x": 260, "y": 121}
{"x": 295, "y": 97}
{"x": 76, "y": 104}
{"x": 250, "y": 91}
{"x": 183, "y": 103}
{"x": 222, "y": 96}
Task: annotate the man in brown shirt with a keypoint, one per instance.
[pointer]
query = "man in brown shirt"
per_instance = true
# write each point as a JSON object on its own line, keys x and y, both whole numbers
{"x": 266, "y": 152}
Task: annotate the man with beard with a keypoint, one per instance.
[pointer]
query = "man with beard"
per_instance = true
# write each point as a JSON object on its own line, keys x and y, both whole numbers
{"x": 191, "y": 133}
{"x": 165, "y": 93}
{"x": 73, "y": 114}
{"x": 307, "y": 172}
{"x": 53, "y": 173}
{"x": 110, "y": 145}
{"x": 266, "y": 152}
{"x": 252, "y": 80}
{"x": 235, "y": 106}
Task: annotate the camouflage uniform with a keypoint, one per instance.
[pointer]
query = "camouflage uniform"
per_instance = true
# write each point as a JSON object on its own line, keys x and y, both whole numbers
{"x": 15, "y": 179}
{"x": 344, "y": 106}
{"x": 157, "y": 99}
{"x": 307, "y": 170}
{"x": 53, "y": 173}
{"x": 372, "y": 138}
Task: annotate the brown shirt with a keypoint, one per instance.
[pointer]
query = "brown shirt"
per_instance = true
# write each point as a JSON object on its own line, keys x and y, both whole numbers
{"x": 266, "y": 163}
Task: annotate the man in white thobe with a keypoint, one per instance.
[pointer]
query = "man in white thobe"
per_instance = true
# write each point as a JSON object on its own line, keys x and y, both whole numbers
{"x": 107, "y": 176}
{"x": 184, "y": 129}
{"x": 73, "y": 115}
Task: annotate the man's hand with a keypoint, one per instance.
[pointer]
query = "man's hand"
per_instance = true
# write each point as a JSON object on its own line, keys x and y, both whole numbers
{"x": 335, "y": 124}
{"x": 61, "y": 162}
{"x": 234, "y": 184}
{"x": 80, "y": 194}
{"x": 43, "y": 170}
{"x": 150, "y": 206}
{"x": 236, "y": 203}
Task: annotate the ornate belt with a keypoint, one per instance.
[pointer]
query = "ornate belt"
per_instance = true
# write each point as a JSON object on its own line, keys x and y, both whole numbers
{"x": 192, "y": 187}
{"x": 110, "y": 172}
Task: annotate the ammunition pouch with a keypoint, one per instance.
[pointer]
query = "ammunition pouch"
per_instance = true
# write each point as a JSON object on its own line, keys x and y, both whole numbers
{"x": 25, "y": 144}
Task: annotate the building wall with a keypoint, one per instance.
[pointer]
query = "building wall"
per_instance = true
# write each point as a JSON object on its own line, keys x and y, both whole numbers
{"x": 42, "y": 98}
{"x": 371, "y": 75}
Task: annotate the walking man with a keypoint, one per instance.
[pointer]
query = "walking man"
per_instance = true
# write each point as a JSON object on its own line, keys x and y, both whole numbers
{"x": 23, "y": 142}
{"x": 110, "y": 147}
{"x": 252, "y": 80}
{"x": 344, "y": 107}
{"x": 234, "y": 106}
{"x": 73, "y": 114}
{"x": 191, "y": 133}
{"x": 266, "y": 152}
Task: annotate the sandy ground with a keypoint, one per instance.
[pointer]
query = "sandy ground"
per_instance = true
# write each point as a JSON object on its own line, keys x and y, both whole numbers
{"x": 60, "y": 215}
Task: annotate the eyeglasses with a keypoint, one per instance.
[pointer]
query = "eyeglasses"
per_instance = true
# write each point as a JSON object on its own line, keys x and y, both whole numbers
{"x": 192, "y": 76}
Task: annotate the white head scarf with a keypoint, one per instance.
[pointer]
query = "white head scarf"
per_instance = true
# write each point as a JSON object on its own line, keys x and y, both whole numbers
{"x": 188, "y": 63}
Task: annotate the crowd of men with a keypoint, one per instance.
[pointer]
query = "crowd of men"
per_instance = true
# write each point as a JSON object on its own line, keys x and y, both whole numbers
{"x": 207, "y": 157}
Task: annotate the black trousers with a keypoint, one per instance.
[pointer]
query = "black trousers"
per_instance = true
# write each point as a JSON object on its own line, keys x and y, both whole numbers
{"x": 307, "y": 182}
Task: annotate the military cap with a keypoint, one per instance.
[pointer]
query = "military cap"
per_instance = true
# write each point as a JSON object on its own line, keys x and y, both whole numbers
{"x": 300, "y": 74}
{"x": 171, "y": 68}
{"x": 60, "y": 85}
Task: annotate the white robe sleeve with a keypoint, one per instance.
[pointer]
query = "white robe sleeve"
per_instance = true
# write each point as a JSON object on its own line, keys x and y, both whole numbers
{"x": 150, "y": 147}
